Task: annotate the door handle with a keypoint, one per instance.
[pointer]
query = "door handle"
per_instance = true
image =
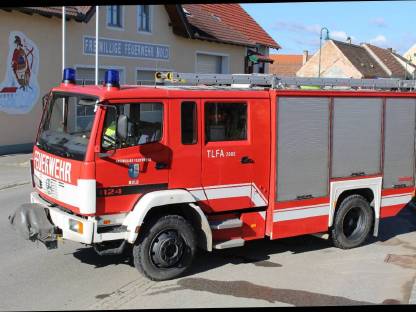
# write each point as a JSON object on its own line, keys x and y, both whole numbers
{"x": 246, "y": 160}
{"x": 161, "y": 165}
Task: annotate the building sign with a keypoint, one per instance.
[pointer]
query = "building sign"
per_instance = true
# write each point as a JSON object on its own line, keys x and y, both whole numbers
{"x": 124, "y": 48}
{"x": 19, "y": 90}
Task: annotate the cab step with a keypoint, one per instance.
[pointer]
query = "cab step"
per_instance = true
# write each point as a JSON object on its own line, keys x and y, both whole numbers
{"x": 226, "y": 224}
{"x": 237, "y": 242}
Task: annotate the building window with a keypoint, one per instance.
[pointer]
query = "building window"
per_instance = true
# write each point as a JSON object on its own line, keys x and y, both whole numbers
{"x": 114, "y": 16}
{"x": 86, "y": 75}
{"x": 211, "y": 64}
{"x": 146, "y": 77}
{"x": 225, "y": 122}
{"x": 143, "y": 18}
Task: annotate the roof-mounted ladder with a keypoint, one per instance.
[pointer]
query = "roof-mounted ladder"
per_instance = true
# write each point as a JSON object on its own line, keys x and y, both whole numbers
{"x": 277, "y": 82}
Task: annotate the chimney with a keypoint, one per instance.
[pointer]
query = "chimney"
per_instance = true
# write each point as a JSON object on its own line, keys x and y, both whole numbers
{"x": 305, "y": 57}
{"x": 390, "y": 50}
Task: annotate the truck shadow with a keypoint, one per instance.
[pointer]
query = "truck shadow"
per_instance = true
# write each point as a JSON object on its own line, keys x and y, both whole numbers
{"x": 258, "y": 252}
{"x": 404, "y": 222}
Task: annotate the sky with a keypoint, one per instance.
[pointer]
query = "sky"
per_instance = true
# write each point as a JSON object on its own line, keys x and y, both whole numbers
{"x": 296, "y": 26}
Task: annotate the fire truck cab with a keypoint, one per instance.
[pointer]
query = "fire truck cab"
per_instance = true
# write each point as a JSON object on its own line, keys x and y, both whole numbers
{"x": 169, "y": 169}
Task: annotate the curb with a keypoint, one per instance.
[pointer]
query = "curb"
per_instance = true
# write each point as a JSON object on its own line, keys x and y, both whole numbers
{"x": 7, "y": 186}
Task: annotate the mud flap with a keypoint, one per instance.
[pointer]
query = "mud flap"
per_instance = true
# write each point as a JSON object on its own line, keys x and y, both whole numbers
{"x": 32, "y": 223}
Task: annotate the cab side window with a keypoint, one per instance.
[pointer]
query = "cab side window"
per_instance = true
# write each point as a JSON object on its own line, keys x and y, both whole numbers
{"x": 225, "y": 121}
{"x": 145, "y": 124}
{"x": 189, "y": 126}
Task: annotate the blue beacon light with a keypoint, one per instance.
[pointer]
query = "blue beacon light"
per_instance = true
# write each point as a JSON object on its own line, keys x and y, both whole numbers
{"x": 69, "y": 75}
{"x": 111, "y": 78}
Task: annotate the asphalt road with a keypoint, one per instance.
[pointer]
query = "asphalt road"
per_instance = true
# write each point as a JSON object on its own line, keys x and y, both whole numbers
{"x": 300, "y": 271}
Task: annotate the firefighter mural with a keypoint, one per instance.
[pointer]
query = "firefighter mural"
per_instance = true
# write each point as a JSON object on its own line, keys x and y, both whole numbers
{"x": 20, "y": 89}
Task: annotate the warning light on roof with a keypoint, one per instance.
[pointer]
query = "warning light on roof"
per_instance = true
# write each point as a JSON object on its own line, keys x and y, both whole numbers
{"x": 160, "y": 76}
{"x": 111, "y": 78}
{"x": 69, "y": 75}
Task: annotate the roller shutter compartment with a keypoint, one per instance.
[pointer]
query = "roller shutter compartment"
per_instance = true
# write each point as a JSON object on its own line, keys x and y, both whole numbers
{"x": 302, "y": 147}
{"x": 356, "y": 136}
{"x": 399, "y": 133}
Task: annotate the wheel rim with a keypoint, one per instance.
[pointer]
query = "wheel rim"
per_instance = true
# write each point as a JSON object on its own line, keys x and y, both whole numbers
{"x": 167, "y": 249}
{"x": 353, "y": 223}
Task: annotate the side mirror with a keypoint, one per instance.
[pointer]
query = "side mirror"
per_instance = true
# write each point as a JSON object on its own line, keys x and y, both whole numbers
{"x": 122, "y": 127}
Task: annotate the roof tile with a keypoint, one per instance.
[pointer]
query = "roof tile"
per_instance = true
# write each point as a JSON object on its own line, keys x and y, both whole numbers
{"x": 222, "y": 22}
{"x": 285, "y": 64}
{"x": 236, "y": 21}
{"x": 361, "y": 60}
{"x": 397, "y": 69}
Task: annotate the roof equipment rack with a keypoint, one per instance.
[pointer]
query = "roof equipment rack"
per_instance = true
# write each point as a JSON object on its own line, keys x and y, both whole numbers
{"x": 277, "y": 82}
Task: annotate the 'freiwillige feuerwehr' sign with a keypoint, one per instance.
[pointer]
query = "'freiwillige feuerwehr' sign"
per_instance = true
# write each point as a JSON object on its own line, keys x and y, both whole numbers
{"x": 124, "y": 48}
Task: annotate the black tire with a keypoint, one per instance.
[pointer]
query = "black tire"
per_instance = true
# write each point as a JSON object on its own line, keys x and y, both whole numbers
{"x": 353, "y": 222}
{"x": 166, "y": 249}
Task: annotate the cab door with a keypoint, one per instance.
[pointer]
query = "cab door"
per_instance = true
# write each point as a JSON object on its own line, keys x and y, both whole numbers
{"x": 185, "y": 139}
{"x": 229, "y": 158}
{"x": 138, "y": 165}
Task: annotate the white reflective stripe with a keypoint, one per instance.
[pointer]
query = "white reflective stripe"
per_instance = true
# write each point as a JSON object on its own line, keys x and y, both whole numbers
{"x": 293, "y": 214}
{"x": 226, "y": 185}
{"x": 395, "y": 200}
{"x": 87, "y": 196}
{"x": 198, "y": 194}
{"x": 230, "y": 191}
{"x": 257, "y": 197}
{"x": 263, "y": 214}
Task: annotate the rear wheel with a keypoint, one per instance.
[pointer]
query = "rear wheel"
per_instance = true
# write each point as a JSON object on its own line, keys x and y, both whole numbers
{"x": 166, "y": 249}
{"x": 353, "y": 222}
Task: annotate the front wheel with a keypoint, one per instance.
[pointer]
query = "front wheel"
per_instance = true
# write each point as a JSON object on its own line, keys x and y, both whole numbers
{"x": 353, "y": 221}
{"x": 166, "y": 249}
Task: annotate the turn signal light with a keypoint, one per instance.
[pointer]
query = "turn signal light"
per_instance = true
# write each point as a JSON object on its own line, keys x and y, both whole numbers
{"x": 76, "y": 226}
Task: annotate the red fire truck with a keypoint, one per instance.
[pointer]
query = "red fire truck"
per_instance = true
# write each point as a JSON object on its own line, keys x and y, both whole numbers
{"x": 213, "y": 161}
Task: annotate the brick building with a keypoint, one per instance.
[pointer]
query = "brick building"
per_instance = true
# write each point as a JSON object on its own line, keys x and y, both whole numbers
{"x": 347, "y": 60}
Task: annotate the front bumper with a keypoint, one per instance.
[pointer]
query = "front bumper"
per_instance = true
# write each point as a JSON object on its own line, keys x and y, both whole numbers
{"x": 91, "y": 225}
{"x": 60, "y": 219}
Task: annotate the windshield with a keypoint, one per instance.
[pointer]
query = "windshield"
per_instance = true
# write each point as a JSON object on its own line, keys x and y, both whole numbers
{"x": 66, "y": 126}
